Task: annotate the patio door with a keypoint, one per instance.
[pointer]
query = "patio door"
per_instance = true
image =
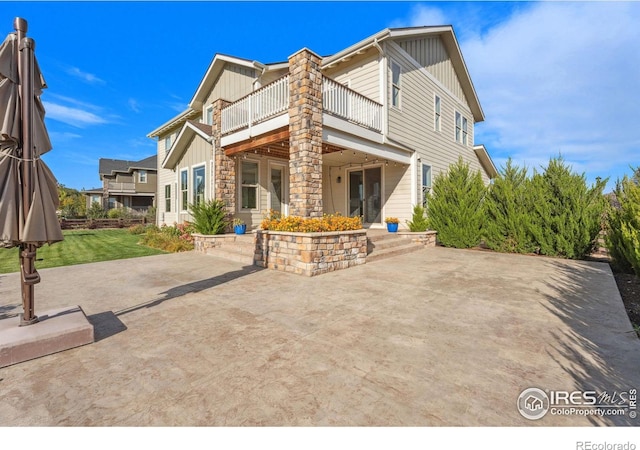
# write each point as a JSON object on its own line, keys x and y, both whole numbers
{"x": 365, "y": 194}
{"x": 277, "y": 199}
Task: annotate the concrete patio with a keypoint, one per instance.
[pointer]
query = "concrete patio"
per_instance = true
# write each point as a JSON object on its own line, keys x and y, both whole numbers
{"x": 435, "y": 337}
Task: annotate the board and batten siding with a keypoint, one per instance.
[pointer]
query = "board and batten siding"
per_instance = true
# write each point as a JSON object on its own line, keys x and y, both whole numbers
{"x": 413, "y": 123}
{"x": 334, "y": 194}
{"x": 233, "y": 83}
{"x": 397, "y": 192}
{"x": 431, "y": 54}
{"x": 362, "y": 74}
{"x": 198, "y": 153}
{"x": 166, "y": 176}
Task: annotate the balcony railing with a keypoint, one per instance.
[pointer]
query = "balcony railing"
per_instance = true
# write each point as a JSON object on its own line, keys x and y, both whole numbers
{"x": 343, "y": 102}
{"x": 273, "y": 99}
{"x": 121, "y": 187}
{"x": 260, "y": 105}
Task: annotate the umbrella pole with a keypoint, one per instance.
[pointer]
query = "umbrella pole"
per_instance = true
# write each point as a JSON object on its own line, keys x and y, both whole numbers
{"x": 27, "y": 251}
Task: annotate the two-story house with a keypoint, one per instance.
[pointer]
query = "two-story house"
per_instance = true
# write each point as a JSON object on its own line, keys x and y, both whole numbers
{"x": 361, "y": 132}
{"x": 126, "y": 184}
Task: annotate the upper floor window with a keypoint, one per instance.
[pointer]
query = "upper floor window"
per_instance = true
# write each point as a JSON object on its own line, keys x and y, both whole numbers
{"x": 167, "y": 143}
{"x": 396, "y": 72}
{"x": 142, "y": 176}
{"x": 198, "y": 185}
{"x": 208, "y": 117}
{"x": 249, "y": 185}
{"x": 437, "y": 113}
{"x": 462, "y": 129}
{"x": 184, "y": 189}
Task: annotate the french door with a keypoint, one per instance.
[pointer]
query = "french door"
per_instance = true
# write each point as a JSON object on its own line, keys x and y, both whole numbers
{"x": 365, "y": 194}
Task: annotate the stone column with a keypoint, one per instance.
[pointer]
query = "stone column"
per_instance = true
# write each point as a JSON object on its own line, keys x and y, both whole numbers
{"x": 305, "y": 134}
{"x": 225, "y": 167}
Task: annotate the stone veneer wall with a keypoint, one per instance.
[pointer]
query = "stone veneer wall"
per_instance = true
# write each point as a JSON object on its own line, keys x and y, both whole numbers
{"x": 225, "y": 167}
{"x": 305, "y": 135}
{"x": 311, "y": 253}
{"x": 426, "y": 238}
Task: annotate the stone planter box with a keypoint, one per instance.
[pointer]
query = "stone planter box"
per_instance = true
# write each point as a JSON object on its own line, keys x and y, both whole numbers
{"x": 426, "y": 238}
{"x": 311, "y": 253}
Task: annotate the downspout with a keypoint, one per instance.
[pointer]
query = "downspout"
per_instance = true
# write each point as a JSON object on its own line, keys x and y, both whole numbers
{"x": 384, "y": 88}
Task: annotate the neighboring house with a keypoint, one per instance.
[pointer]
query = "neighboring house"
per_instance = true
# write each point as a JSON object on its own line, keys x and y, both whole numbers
{"x": 126, "y": 184}
{"x": 361, "y": 132}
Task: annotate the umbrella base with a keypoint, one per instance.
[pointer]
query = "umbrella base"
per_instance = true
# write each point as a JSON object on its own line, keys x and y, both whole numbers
{"x": 27, "y": 322}
{"x": 56, "y": 331}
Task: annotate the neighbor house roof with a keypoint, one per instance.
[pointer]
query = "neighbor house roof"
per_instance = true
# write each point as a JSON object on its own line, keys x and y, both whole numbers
{"x": 112, "y": 166}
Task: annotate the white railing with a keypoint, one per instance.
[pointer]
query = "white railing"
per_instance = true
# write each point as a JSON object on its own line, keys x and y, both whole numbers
{"x": 343, "y": 102}
{"x": 266, "y": 102}
{"x": 121, "y": 187}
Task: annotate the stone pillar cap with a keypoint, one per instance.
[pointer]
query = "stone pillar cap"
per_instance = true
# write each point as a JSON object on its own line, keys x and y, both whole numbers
{"x": 305, "y": 49}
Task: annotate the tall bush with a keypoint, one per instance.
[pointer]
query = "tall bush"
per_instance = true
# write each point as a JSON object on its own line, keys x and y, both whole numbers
{"x": 209, "y": 217}
{"x": 96, "y": 211}
{"x": 566, "y": 213}
{"x": 455, "y": 208}
{"x": 508, "y": 207}
{"x": 623, "y": 234}
{"x": 419, "y": 221}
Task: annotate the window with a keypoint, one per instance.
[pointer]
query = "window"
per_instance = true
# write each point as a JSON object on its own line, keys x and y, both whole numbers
{"x": 142, "y": 176}
{"x": 395, "y": 83}
{"x": 249, "y": 185}
{"x": 436, "y": 108}
{"x": 208, "y": 118}
{"x": 184, "y": 189}
{"x": 461, "y": 128}
{"x": 111, "y": 203}
{"x": 198, "y": 185}
{"x": 167, "y": 198}
{"x": 426, "y": 184}
{"x": 464, "y": 130}
{"x": 167, "y": 143}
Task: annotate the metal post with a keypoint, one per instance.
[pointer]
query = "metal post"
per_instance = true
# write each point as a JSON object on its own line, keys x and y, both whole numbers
{"x": 27, "y": 251}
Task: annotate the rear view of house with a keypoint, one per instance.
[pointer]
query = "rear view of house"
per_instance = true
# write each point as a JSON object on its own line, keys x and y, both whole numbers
{"x": 360, "y": 133}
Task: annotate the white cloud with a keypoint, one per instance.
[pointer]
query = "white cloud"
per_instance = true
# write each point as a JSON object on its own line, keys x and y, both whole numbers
{"x": 85, "y": 76}
{"x": 73, "y": 116}
{"x": 134, "y": 105}
{"x": 421, "y": 15}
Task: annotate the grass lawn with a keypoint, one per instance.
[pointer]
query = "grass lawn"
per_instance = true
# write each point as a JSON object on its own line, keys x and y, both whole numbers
{"x": 80, "y": 247}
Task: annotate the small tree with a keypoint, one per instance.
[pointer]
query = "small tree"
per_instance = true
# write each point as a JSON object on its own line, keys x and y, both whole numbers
{"x": 419, "y": 221}
{"x": 566, "y": 213}
{"x": 96, "y": 211}
{"x": 623, "y": 235}
{"x": 508, "y": 207}
{"x": 209, "y": 217}
{"x": 455, "y": 209}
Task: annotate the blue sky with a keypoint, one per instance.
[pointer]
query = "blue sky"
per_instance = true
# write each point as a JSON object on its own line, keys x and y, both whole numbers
{"x": 551, "y": 77}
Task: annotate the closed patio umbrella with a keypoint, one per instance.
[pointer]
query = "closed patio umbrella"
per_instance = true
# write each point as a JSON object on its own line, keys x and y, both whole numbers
{"x": 28, "y": 189}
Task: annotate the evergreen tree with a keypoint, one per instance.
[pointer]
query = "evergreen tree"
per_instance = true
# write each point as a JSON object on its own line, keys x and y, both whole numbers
{"x": 419, "y": 221}
{"x": 507, "y": 206}
{"x": 455, "y": 209}
{"x": 623, "y": 235}
{"x": 566, "y": 214}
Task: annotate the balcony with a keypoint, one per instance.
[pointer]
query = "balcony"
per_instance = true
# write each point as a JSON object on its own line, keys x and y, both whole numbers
{"x": 121, "y": 187}
{"x": 271, "y": 104}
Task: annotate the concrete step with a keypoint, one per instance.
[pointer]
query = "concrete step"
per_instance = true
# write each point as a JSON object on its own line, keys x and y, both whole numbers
{"x": 378, "y": 254}
{"x": 233, "y": 254}
{"x": 381, "y": 244}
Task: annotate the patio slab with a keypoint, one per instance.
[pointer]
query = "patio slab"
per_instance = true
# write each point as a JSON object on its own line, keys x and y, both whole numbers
{"x": 434, "y": 337}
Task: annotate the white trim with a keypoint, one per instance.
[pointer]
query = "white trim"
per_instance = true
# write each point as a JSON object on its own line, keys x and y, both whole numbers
{"x": 414, "y": 179}
{"x": 206, "y": 113}
{"x": 384, "y": 93}
{"x": 437, "y": 124}
{"x": 381, "y": 151}
{"x": 256, "y": 130}
{"x": 192, "y": 169}
{"x": 392, "y": 62}
{"x": 187, "y": 127}
{"x": 180, "y": 207}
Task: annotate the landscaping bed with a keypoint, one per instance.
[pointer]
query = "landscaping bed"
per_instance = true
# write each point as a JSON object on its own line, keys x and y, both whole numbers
{"x": 629, "y": 287}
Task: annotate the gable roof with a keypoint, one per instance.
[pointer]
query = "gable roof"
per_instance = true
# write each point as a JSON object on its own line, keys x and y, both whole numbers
{"x": 190, "y": 129}
{"x": 445, "y": 32}
{"x": 112, "y": 166}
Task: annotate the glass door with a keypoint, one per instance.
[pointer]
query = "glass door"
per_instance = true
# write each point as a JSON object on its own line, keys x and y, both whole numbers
{"x": 276, "y": 189}
{"x": 365, "y": 194}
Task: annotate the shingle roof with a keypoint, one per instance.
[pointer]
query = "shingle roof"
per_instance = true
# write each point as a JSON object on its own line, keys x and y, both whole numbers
{"x": 208, "y": 129}
{"x": 110, "y": 166}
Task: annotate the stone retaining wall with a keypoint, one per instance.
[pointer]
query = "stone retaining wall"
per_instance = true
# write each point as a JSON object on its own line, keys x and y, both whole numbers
{"x": 426, "y": 238}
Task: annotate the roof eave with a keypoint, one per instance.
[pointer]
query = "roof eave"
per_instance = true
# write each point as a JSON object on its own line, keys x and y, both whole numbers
{"x": 171, "y": 123}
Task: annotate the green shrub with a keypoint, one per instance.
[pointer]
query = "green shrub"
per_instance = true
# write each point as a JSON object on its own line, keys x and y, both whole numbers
{"x": 508, "y": 212}
{"x": 566, "y": 214}
{"x": 455, "y": 208}
{"x": 96, "y": 211}
{"x": 175, "y": 238}
{"x": 118, "y": 213}
{"x": 623, "y": 234}
{"x": 138, "y": 229}
{"x": 209, "y": 217}
{"x": 419, "y": 221}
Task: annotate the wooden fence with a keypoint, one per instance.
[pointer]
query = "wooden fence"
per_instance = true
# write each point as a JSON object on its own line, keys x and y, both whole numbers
{"x": 74, "y": 224}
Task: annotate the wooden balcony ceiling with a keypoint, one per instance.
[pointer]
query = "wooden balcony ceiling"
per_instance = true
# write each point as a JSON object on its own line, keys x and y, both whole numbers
{"x": 273, "y": 144}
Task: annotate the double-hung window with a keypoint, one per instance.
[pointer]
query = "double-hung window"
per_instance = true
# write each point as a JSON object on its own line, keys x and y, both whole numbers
{"x": 198, "y": 185}
{"x": 458, "y": 127}
{"x": 142, "y": 176}
{"x": 209, "y": 115}
{"x": 462, "y": 129}
{"x": 249, "y": 185}
{"x": 184, "y": 189}
{"x": 437, "y": 113}
{"x": 396, "y": 72}
{"x": 167, "y": 198}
